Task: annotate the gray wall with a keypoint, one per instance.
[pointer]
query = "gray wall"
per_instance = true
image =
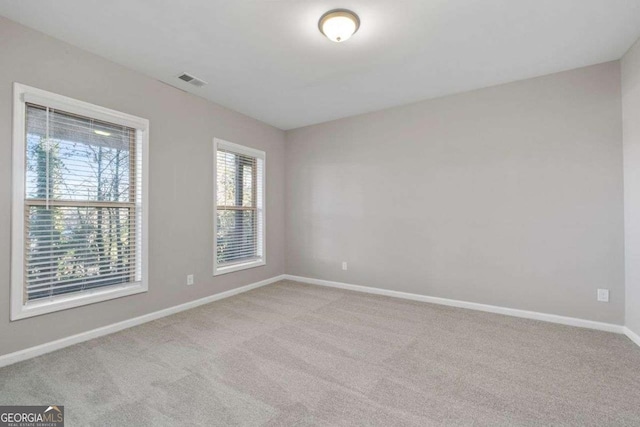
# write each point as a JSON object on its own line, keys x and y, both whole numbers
{"x": 631, "y": 136}
{"x": 181, "y": 174}
{"x": 510, "y": 195}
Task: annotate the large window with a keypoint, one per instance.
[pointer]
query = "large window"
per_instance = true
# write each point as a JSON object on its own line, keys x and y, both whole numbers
{"x": 79, "y": 203}
{"x": 239, "y": 207}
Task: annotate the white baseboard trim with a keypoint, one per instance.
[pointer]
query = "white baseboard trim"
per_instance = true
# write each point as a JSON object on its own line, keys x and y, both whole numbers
{"x": 38, "y": 350}
{"x": 553, "y": 318}
{"x": 632, "y": 336}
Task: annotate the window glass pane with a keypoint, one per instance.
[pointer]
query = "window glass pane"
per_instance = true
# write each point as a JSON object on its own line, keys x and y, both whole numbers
{"x": 236, "y": 176}
{"x": 76, "y": 158}
{"x": 69, "y": 249}
{"x": 237, "y": 235}
{"x": 80, "y": 214}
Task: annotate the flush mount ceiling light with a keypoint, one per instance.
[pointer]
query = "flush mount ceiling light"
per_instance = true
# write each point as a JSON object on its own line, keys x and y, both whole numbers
{"x": 339, "y": 24}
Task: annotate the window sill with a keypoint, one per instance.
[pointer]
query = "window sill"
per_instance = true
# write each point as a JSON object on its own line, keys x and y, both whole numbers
{"x": 217, "y": 271}
{"x": 63, "y": 302}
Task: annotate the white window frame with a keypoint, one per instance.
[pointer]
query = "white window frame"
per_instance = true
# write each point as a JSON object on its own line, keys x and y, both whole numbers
{"x": 240, "y": 149}
{"x": 21, "y": 309}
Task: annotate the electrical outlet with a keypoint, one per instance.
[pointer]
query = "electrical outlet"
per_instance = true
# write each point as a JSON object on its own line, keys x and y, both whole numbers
{"x": 344, "y": 265}
{"x": 603, "y": 295}
{"x": 190, "y": 279}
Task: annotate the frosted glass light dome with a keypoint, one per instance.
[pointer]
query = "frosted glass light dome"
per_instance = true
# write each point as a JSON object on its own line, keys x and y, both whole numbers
{"x": 339, "y": 25}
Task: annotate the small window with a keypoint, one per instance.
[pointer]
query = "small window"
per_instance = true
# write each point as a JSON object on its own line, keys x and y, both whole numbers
{"x": 239, "y": 207}
{"x": 79, "y": 203}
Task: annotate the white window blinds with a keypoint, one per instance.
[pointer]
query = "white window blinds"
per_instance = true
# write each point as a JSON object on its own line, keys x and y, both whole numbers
{"x": 239, "y": 207}
{"x": 82, "y": 204}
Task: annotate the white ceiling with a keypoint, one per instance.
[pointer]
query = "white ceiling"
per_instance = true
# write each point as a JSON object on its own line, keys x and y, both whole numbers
{"x": 267, "y": 59}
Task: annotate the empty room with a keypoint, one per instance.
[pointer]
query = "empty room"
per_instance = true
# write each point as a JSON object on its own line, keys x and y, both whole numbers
{"x": 319, "y": 213}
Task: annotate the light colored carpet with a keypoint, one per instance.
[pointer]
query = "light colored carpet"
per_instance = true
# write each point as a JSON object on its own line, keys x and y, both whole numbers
{"x": 295, "y": 354}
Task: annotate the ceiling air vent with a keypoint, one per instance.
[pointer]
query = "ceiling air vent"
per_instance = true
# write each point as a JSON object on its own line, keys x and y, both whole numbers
{"x": 192, "y": 80}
